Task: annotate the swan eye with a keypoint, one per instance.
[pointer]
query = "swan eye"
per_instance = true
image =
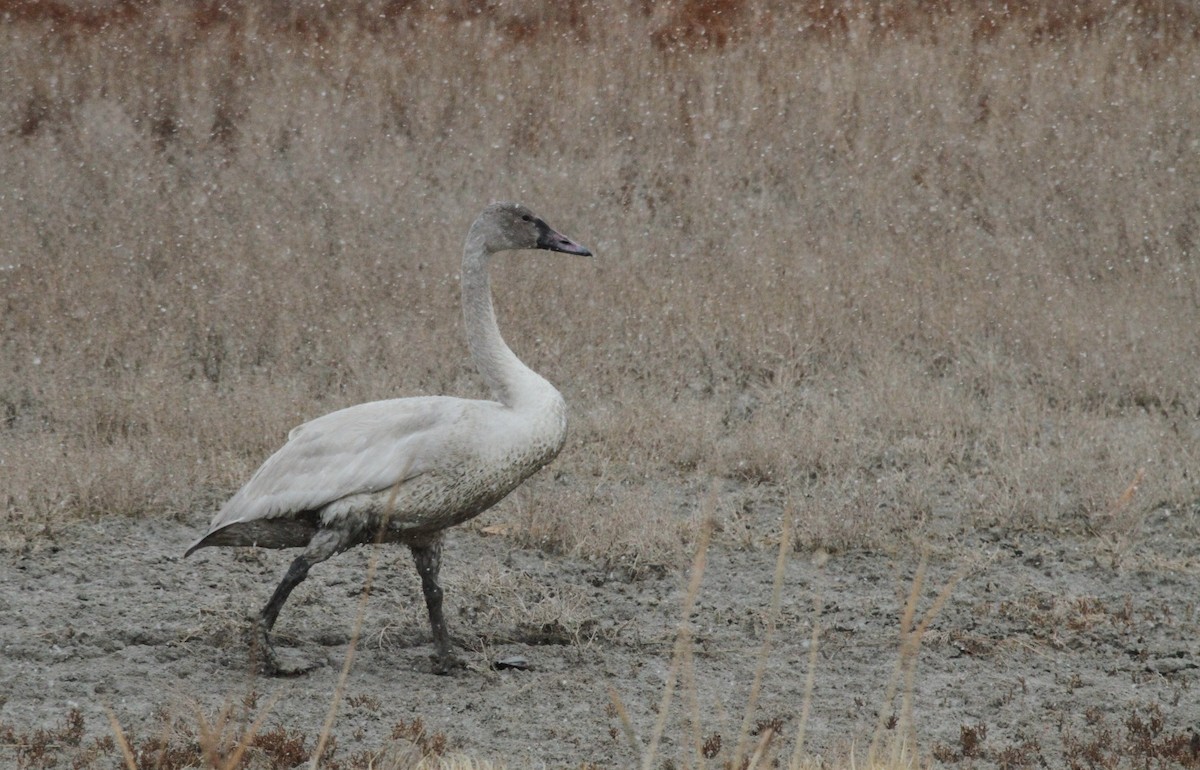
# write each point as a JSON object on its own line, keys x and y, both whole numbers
{"x": 526, "y": 218}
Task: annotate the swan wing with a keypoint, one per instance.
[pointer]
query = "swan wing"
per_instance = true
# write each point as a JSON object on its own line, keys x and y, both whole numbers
{"x": 364, "y": 448}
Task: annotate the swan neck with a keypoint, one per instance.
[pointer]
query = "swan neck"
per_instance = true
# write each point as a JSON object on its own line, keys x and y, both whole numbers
{"x": 511, "y": 381}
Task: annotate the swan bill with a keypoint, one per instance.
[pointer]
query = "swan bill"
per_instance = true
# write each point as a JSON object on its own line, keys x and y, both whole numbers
{"x": 552, "y": 240}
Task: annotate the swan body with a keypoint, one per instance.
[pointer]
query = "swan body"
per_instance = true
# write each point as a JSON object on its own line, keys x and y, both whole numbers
{"x": 444, "y": 460}
{"x": 404, "y": 470}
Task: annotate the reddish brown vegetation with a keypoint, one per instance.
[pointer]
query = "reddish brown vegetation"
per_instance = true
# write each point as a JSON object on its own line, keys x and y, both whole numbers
{"x": 66, "y": 17}
{"x": 673, "y": 25}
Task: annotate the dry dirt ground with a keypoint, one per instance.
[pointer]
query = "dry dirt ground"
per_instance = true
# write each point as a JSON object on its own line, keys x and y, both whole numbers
{"x": 1049, "y": 648}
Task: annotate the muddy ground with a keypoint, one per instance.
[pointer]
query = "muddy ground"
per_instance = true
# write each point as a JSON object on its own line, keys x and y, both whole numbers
{"x": 1048, "y": 649}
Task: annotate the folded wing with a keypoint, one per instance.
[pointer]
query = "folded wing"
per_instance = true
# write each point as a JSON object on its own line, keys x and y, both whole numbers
{"x": 362, "y": 449}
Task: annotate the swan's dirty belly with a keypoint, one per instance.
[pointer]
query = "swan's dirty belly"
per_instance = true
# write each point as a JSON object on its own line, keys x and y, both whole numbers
{"x": 422, "y": 506}
{"x": 412, "y": 512}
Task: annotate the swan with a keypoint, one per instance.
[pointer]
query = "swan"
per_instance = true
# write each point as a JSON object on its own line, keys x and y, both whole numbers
{"x": 404, "y": 470}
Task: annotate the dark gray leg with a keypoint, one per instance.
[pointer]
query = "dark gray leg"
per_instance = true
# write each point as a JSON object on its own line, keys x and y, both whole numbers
{"x": 428, "y": 559}
{"x": 324, "y": 544}
{"x": 268, "y": 660}
{"x": 294, "y": 577}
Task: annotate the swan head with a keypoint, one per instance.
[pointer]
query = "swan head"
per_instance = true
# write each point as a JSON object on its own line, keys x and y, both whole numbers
{"x": 511, "y": 226}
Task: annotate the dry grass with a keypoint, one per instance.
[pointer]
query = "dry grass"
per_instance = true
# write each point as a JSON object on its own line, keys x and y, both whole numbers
{"x": 758, "y": 740}
{"x": 911, "y": 272}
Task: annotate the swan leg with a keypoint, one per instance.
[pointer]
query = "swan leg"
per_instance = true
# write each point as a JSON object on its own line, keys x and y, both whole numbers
{"x": 324, "y": 544}
{"x": 428, "y": 558}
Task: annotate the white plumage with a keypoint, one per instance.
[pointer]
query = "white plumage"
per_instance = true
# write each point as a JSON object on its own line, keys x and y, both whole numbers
{"x": 403, "y": 470}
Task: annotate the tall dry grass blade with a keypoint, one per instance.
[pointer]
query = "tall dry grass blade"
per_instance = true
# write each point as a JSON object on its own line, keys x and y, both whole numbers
{"x": 764, "y": 651}
{"x": 210, "y": 738}
{"x": 810, "y": 678}
{"x": 164, "y": 742}
{"x": 692, "y": 691}
{"x": 760, "y": 751}
{"x": 684, "y": 634}
{"x": 122, "y": 742}
{"x": 910, "y": 653}
{"x": 906, "y": 624}
{"x": 626, "y": 722}
{"x": 1124, "y": 532}
{"x": 246, "y": 740}
{"x": 1126, "y": 497}
{"x": 911, "y": 634}
{"x": 340, "y": 689}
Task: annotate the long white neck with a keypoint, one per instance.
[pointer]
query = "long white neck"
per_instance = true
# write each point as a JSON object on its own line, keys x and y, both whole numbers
{"x": 513, "y": 383}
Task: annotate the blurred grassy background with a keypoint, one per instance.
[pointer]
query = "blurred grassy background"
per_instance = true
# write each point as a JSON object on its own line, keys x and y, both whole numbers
{"x": 910, "y": 268}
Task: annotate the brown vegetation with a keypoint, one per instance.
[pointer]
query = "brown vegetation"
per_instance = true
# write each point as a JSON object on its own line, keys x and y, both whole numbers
{"x": 937, "y": 277}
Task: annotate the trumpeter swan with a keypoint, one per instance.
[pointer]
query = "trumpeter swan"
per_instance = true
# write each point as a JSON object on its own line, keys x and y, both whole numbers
{"x": 403, "y": 470}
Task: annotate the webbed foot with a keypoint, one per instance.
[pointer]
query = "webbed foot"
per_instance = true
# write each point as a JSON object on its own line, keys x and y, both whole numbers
{"x": 273, "y": 662}
{"x": 444, "y": 665}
